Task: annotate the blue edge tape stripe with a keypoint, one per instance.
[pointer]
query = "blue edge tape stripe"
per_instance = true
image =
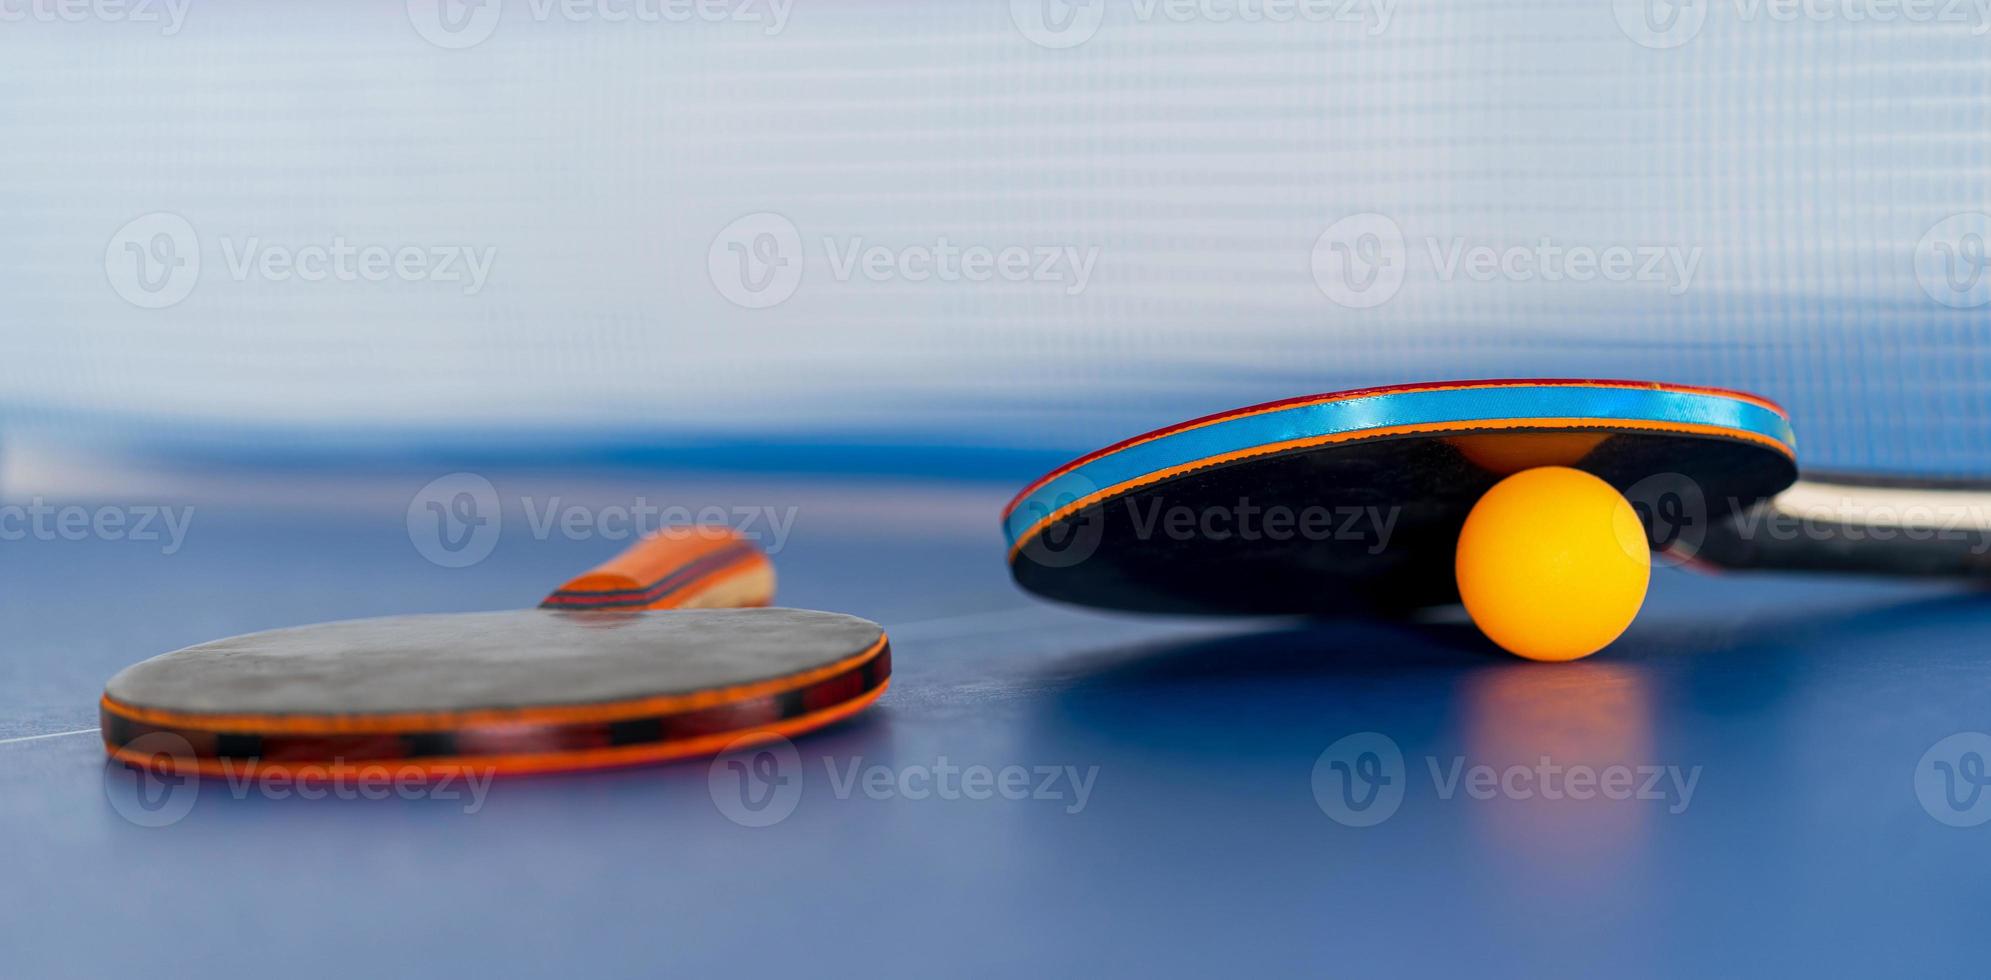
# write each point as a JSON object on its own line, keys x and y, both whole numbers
{"x": 1408, "y": 407}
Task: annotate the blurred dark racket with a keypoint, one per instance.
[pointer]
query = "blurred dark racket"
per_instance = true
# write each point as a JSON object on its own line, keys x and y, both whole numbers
{"x": 640, "y": 660}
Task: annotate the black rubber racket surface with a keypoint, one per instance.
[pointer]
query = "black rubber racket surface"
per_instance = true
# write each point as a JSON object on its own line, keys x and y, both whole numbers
{"x": 614, "y": 669}
{"x": 1351, "y": 502}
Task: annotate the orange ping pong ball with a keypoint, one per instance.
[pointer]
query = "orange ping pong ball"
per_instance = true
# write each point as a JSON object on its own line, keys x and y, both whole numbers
{"x": 1553, "y": 564}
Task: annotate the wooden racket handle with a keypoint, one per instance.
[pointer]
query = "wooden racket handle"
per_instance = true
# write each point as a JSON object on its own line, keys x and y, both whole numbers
{"x": 696, "y": 567}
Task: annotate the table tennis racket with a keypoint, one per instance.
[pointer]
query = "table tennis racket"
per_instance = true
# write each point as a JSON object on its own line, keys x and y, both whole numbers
{"x": 1373, "y": 486}
{"x": 640, "y": 660}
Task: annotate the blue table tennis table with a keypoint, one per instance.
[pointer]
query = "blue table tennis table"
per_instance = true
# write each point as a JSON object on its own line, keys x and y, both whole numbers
{"x": 1043, "y": 790}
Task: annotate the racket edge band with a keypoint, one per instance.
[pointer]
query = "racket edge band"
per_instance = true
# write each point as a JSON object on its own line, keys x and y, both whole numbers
{"x": 507, "y": 746}
{"x": 1049, "y": 515}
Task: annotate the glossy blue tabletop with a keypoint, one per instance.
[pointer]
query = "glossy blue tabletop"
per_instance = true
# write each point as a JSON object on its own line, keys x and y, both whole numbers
{"x": 1747, "y": 783}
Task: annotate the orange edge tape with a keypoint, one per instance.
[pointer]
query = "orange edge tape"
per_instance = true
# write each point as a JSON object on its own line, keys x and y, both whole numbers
{"x": 516, "y": 765}
{"x": 443, "y": 720}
